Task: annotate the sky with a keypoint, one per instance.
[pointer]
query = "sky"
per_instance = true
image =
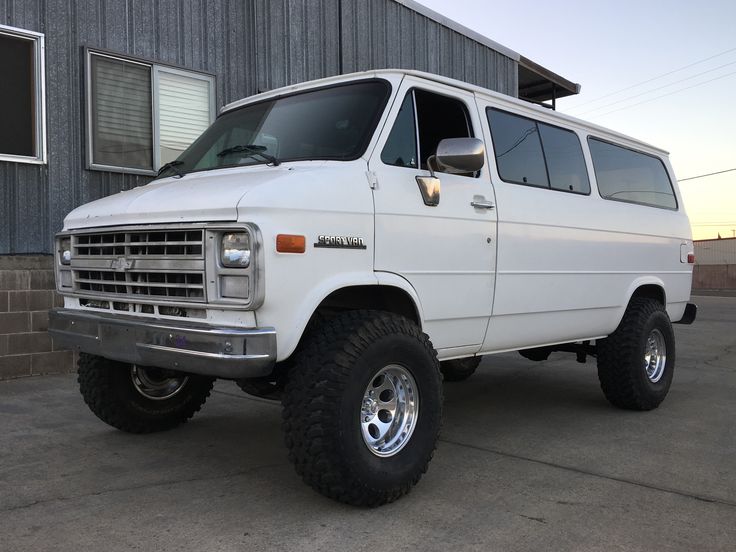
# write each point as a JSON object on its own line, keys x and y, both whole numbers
{"x": 611, "y": 48}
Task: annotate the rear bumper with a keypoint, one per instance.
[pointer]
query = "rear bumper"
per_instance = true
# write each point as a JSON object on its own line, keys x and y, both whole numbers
{"x": 223, "y": 352}
{"x": 688, "y": 317}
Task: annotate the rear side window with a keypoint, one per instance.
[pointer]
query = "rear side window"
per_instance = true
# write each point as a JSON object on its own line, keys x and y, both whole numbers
{"x": 565, "y": 161}
{"x": 537, "y": 154}
{"x": 632, "y": 176}
{"x": 518, "y": 149}
{"x": 428, "y": 118}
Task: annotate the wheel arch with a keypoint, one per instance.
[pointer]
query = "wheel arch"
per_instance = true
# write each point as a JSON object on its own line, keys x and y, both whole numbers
{"x": 651, "y": 290}
{"x": 647, "y": 286}
{"x": 388, "y": 292}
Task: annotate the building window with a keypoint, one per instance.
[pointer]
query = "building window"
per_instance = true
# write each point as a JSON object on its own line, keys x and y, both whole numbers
{"x": 22, "y": 132}
{"x": 142, "y": 115}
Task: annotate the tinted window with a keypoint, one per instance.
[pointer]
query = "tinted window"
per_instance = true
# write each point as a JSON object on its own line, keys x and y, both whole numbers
{"x": 519, "y": 155}
{"x": 439, "y": 117}
{"x": 329, "y": 123}
{"x": 565, "y": 161}
{"x": 17, "y": 93}
{"x": 628, "y": 175}
{"x": 401, "y": 146}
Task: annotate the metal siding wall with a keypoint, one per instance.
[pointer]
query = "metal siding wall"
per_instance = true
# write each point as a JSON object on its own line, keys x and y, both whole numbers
{"x": 382, "y": 33}
{"x": 295, "y": 41}
{"x": 716, "y": 252}
{"x": 197, "y": 34}
{"x": 249, "y": 45}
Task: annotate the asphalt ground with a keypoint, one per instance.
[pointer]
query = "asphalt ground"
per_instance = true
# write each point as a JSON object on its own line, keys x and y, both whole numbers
{"x": 531, "y": 457}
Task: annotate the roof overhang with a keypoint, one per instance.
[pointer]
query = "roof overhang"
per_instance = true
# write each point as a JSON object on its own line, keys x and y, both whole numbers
{"x": 538, "y": 84}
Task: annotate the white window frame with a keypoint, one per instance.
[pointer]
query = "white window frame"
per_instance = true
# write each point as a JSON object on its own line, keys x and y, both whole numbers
{"x": 156, "y": 69}
{"x": 39, "y": 54}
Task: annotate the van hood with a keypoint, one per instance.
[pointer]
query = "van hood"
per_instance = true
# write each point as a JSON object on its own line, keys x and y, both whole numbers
{"x": 208, "y": 196}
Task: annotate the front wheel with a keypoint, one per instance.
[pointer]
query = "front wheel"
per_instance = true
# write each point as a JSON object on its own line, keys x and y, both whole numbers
{"x": 637, "y": 361}
{"x": 140, "y": 399}
{"x": 362, "y": 407}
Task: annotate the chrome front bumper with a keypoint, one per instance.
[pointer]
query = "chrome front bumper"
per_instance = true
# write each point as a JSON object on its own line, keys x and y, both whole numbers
{"x": 223, "y": 352}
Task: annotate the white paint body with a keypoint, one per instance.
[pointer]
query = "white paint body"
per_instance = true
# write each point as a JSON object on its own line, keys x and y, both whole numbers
{"x": 542, "y": 268}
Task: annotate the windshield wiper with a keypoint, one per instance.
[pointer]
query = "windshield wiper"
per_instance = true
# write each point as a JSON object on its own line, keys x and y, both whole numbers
{"x": 171, "y": 165}
{"x": 251, "y": 150}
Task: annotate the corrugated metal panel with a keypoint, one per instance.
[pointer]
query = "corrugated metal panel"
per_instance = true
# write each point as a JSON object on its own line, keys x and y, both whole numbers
{"x": 384, "y": 33}
{"x": 249, "y": 45}
{"x": 295, "y": 41}
{"x": 716, "y": 252}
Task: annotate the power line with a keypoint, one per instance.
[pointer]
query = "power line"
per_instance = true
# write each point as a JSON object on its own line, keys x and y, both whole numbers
{"x": 604, "y": 106}
{"x": 655, "y": 78}
{"x": 665, "y": 95}
{"x": 704, "y": 175}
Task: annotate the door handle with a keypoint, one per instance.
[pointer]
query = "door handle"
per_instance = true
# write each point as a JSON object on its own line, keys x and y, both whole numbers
{"x": 482, "y": 204}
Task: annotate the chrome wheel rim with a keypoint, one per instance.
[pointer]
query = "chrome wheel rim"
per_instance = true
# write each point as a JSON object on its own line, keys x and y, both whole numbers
{"x": 389, "y": 411}
{"x": 156, "y": 383}
{"x": 655, "y": 356}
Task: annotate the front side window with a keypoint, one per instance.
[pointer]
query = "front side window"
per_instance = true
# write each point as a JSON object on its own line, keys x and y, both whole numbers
{"x": 401, "y": 147}
{"x": 21, "y": 96}
{"x": 329, "y": 123}
{"x": 143, "y": 115}
{"x": 632, "y": 176}
{"x": 437, "y": 117}
{"x": 538, "y": 154}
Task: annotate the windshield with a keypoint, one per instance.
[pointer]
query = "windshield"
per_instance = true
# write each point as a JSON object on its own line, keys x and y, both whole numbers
{"x": 328, "y": 123}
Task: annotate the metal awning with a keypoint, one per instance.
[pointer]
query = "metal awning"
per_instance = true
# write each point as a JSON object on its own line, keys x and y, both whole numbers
{"x": 538, "y": 84}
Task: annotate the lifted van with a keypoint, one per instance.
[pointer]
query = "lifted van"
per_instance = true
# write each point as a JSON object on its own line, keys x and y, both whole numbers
{"x": 344, "y": 244}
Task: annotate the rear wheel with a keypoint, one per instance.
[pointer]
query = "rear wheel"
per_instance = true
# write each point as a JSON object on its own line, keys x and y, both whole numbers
{"x": 459, "y": 369}
{"x": 140, "y": 399}
{"x": 362, "y": 407}
{"x": 637, "y": 361}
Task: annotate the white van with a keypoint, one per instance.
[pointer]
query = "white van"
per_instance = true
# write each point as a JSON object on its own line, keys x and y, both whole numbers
{"x": 343, "y": 244}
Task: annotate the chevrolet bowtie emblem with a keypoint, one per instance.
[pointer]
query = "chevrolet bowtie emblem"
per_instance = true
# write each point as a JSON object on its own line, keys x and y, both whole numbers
{"x": 121, "y": 264}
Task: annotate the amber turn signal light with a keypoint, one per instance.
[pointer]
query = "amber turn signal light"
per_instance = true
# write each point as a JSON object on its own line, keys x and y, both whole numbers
{"x": 288, "y": 243}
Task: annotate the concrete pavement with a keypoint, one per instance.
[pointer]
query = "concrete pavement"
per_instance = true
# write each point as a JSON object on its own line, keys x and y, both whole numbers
{"x": 531, "y": 458}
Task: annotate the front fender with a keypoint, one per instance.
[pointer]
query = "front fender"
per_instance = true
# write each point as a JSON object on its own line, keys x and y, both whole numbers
{"x": 291, "y": 322}
{"x": 291, "y": 326}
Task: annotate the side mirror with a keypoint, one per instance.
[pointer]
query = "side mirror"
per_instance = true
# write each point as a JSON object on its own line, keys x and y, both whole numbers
{"x": 460, "y": 155}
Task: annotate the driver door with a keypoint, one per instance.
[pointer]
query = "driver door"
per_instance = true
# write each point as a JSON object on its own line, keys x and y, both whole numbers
{"x": 446, "y": 251}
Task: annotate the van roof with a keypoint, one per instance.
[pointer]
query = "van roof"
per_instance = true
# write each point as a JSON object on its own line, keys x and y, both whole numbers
{"x": 529, "y": 107}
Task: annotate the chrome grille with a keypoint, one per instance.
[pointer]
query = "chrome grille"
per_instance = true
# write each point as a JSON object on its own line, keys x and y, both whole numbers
{"x": 163, "y": 243}
{"x": 161, "y": 264}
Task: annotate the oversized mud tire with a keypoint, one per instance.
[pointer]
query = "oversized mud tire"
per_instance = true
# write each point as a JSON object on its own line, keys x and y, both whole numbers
{"x": 637, "y": 361}
{"x": 459, "y": 369}
{"x": 363, "y": 407}
{"x": 140, "y": 400}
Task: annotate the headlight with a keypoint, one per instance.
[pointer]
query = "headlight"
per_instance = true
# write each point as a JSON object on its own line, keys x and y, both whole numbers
{"x": 65, "y": 251}
{"x": 235, "y": 250}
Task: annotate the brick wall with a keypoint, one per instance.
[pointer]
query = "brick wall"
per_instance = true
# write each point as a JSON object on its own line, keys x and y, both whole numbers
{"x": 26, "y": 295}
